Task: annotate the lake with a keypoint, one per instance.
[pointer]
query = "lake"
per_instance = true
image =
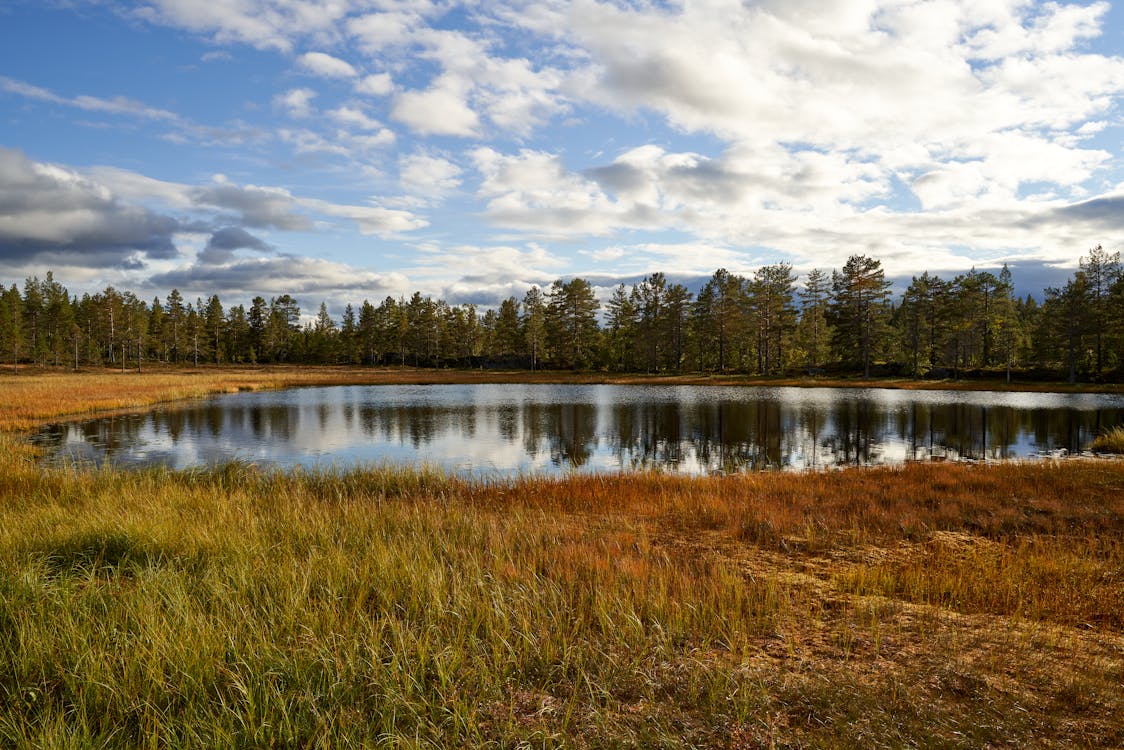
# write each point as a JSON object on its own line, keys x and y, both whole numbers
{"x": 547, "y": 429}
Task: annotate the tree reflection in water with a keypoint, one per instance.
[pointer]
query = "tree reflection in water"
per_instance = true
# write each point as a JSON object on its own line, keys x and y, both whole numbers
{"x": 588, "y": 428}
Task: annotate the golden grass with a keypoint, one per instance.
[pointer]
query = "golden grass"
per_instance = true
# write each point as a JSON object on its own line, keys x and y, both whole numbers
{"x": 931, "y": 605}
{"x": 1110, "y": 441}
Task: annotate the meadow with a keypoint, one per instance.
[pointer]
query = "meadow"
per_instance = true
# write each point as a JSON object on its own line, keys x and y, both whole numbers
{"x": 933, "y": 605}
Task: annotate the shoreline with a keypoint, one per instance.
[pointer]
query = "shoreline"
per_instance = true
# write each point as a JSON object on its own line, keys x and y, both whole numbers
{"x": 46, "y": 395}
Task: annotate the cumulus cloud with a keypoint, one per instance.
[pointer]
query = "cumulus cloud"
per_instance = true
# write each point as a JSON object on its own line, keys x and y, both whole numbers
{"x": 297, "y": 103}
{"x": 54, "y": 215}
{"x": 283, "y": 274}
{"x": 223, "y": 242}
{"x": 326, "y": 66}
{"x": 534, "y": 191}
{"x": 428, "y": 176}
{"x": 496, "y": 272}
{"x": 370, "y": 219}
{"x": 814, "y": 208}
{"x": 223, "y": 203}
{"x": 354, "y": 117}
{"x": 253, "y": 205}
{"x": 265, "y": 24}
{"x": 438, "y": 110}
{"x": 378, "y": 84}
{"x": 948, "y": 130}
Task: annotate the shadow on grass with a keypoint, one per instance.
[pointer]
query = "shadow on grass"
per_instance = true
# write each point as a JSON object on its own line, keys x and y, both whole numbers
{"x": 119, "y": 554}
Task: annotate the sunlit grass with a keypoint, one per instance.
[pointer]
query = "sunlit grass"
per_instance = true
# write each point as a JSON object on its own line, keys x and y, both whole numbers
{"x": 1110, "y": 441}
{"x": 929, "y": 605}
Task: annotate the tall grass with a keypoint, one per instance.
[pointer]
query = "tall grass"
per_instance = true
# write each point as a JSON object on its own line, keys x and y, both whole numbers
{"x": 240, "y": 607}
{"x": 921, "y": 606}
{"x": 1110, "y": 441}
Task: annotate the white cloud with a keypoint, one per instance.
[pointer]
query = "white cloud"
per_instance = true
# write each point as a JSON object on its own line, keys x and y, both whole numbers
{"x": 534, "y": 191}
{"x": 342, "y": 143}
{"x": 439, "y": 110}
{"x": 872, "y": 77}
{"x": 326, "y": 66}
{"x": 370, "y": 219}
{"x": 364, "y": 142}
{"x": 472, "y": 83}
{"x": 900, "y": 127}
{"x": 493, "y": 273}
{"x": 118, "y": 105}
{"x": 286, "y": 274}
{"x": 378, "y": 84}
{"x": 51, "y": 214}
{"x": 255, "y": 206}
{"x": 354, "y": 117}
{"x": 297, "y": 103}
{"x": 428, "y": 176}
{"x": 265, "y": 24}
{"x": 809, "y": 206}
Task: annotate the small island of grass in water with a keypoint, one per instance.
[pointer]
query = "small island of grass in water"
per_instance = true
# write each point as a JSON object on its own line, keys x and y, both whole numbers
{"x": 927, "y": 605}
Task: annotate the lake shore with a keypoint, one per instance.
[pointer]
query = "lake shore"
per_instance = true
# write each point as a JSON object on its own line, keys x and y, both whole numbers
{"x": 34, "y": 396}
{"x": 930, "y": 605}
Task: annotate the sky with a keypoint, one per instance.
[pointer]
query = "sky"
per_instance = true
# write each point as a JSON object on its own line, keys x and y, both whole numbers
{"x": 341, "y": 150}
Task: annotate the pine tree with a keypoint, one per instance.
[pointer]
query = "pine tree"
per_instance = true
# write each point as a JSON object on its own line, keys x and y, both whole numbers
{"x": 1101, "y": 269}
{"x": 650, "y": 302}
{"x": 571, "y": 322}
{"x": 534, "y": 323}
{"x": 919, "y": 317}
{"x": 509, "y": 329}
{"x": 718, "y": 316}
{"x": 349, "y": 334}
{"x": 678, "y": 308}
{"x": 175, "y": 316}
{"x": 814, "y": 332}
{"x": 215, "y": 326}
{"x": 770, "y": 300}
{"x": 858, "y": 310}
{"x": 620, "y": 331}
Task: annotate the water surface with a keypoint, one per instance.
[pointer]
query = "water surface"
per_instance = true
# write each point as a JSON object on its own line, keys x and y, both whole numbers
{"x": 511, "y": 428}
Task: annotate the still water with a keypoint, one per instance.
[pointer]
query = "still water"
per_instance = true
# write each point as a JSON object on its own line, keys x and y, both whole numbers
{"x": 505, "y": 429}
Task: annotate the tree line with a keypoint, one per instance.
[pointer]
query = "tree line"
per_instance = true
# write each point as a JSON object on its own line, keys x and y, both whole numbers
{"x": 840, "y": 321}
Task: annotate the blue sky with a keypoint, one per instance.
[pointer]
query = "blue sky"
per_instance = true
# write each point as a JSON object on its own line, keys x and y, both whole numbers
{"x": 349, "y": 149}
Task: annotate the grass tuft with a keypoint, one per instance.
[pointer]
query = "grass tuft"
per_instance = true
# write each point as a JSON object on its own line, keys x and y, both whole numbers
{"x": 1110, "y": 441}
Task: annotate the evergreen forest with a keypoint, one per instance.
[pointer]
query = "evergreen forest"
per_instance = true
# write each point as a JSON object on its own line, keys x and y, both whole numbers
{"x": 832, "y": 322}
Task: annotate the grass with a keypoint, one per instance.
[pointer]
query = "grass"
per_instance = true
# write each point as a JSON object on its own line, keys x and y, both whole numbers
{"x": 1110, "y": 441}
{"x": 931, "y": 605}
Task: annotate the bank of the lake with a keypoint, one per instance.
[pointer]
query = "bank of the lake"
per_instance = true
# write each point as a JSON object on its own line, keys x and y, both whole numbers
{"x": 931, "y": 605}
{"x": 32, "y": 396}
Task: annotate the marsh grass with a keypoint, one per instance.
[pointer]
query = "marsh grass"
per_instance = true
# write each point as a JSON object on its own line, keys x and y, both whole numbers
{"x": 241, "y": 607}
{"x": 1110, "y": 441}
{"x": 931, "y": 605}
